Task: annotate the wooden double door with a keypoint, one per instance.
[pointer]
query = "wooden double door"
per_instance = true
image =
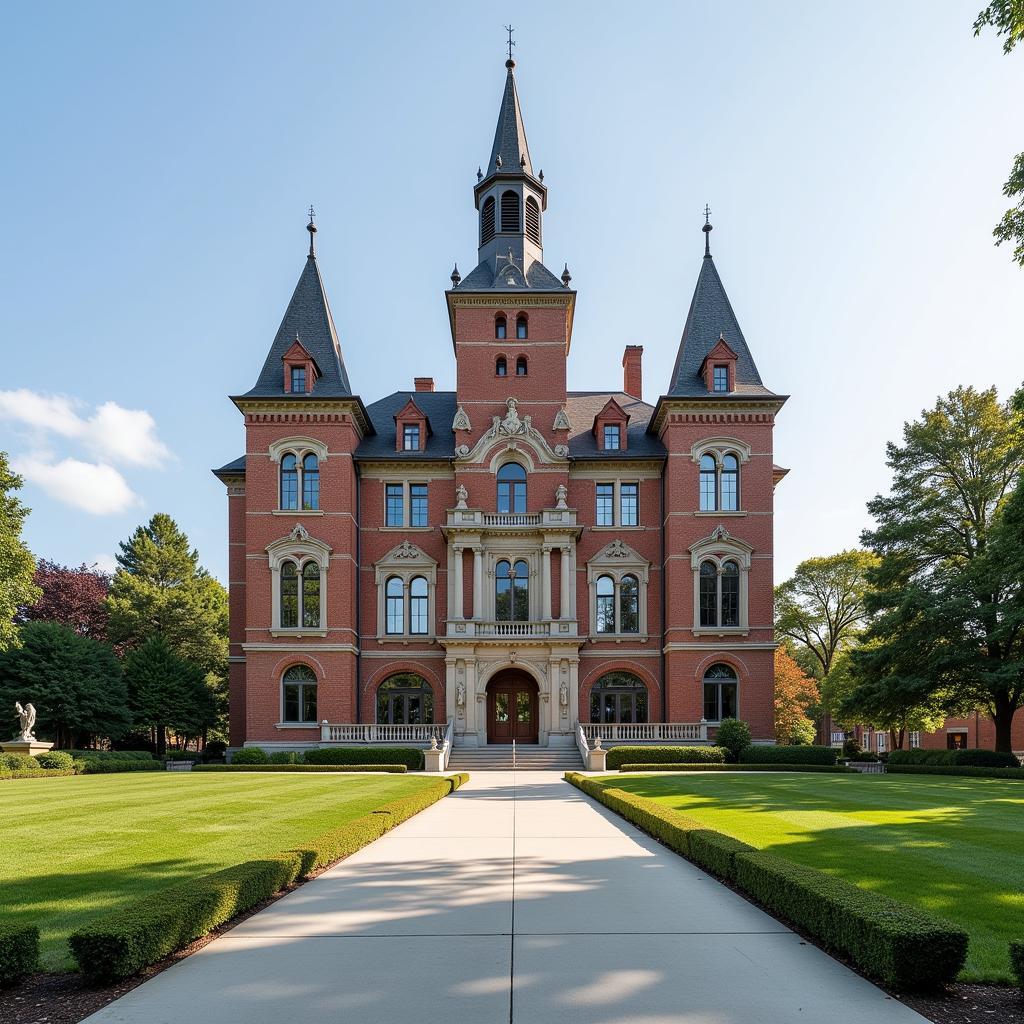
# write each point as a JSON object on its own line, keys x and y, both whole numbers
{"x": 512, "y": 709}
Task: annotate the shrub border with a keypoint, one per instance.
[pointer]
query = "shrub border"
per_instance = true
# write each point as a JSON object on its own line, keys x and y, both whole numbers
{"x": 679, "y": 753}
{"x": 967, "y": 771}
{"x": 895, "y": 943}
{"x": 19, "y": 952}
{"x": 825, "y": 768}
{"x": 394, "y": 769}
{"x": 38, "y": 773}
{"x": 123, "y": 942}
{"x": 1017, "y": 962}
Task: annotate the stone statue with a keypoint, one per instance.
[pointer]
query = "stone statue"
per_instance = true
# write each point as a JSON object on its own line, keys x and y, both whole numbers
{"x": 561, "y": 493}
{"x": 511, "y": 425}
{"x": 27, "y": 721}
{"x": 461, "y": 494}
{"x": 460, "y": 695}
{"x": 563, "y": 695}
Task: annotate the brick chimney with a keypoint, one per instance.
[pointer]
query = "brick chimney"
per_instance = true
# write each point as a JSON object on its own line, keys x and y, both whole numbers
{"x": 632, "y": 371}
{"x": 424, "y": 383}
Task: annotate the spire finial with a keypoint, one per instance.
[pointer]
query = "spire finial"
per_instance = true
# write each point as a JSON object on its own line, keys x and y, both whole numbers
{"x": 707, "y": 229}
{"x": 566, "y": 276}
{"x": 510, "y": 63}
{"x": 456, "y": 276}
{"x": 311, "y": 228}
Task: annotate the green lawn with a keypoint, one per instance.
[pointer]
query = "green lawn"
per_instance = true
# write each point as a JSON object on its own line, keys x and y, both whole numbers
{"x": 952, "y": 846}
{"x": 74, "y": 847}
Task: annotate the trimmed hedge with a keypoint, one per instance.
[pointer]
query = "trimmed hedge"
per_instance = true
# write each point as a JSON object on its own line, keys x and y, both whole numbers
{"x": 112, "y": 755}
{"x": 1017, "y": 961}
{"x": 393, "y": 768}
{"x": 969, "y": 758}
{"x": 763, "y": 754}
{"x": 411, "y": 757}
{"x": 250, "y": 755}
{"x": 967, "y": 772}
{"x": 57, "y": 759}
{"x": 183, "y": 755}
{"x": 123, "y": 942}
{"x": 19, "y": 953}
{"x": 896, "y": 943}
{"x": 18, "y": 763}
{"x": 664, "y": 755}
{"x": 115, "y": 765}
{"x": 38, "y": 773}
{"x": 831, "y": 769}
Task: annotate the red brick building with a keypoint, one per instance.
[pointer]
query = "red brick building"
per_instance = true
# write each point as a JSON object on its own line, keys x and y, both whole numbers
{"x": 512, "y": 557}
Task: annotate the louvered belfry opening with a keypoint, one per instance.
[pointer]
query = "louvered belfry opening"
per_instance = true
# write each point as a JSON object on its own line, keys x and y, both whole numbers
{"x": 509, "y": 211}
{"x": 487, "y": 221}
{"x": 532, "y": 220}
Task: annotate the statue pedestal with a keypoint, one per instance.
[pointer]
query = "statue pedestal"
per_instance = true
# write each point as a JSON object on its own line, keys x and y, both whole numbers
{"x": 29, "y": 747}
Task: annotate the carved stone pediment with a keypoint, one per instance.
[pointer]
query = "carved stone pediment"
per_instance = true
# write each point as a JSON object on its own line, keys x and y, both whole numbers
{"x": 514, "y": 430}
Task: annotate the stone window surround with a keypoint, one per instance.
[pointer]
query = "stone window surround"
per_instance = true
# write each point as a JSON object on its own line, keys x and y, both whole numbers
{"x": 300, "y": 548}
{"x": 617, "y": 483}
{"x": 719, "y": 548}
{"x": 718, "y": 448}
{"x": 284, "y": 723}
{"x": 625, "y": 563}
{"x": 405, "y": 561}
{"x": 299, "y": 446}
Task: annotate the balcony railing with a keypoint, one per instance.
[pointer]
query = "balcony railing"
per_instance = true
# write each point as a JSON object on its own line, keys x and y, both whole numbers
{"x": 647, "y": 732}
{"x": 513, "y": 628}
{"x": 512, "y": 518}
{"x": 350, "y": 732}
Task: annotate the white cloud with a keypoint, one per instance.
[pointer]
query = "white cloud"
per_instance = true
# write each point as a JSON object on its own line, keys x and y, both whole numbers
{"x": 105, "y": 562}
{"x": 93, "y": 487}
{"x": 112, "y": 433}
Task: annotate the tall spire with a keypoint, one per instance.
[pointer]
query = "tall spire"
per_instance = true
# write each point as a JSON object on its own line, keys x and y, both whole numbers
{"x": 510, "y": 151}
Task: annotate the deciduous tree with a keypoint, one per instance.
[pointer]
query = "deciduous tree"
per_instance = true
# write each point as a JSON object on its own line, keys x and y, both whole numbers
{"x": 16, "y": 562}
{"x": 795, "y": 693}
{"x": 76, "y": 598}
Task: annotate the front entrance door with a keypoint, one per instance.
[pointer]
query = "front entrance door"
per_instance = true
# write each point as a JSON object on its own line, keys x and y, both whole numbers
{"x": 512, "y": 710}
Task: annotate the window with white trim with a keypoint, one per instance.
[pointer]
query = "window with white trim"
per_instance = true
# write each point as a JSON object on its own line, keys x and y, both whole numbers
{"x": 721, "y": 571}
{"x": 618, "y": 579}
{"x": 721, "y": 693}
{"x": 298, "y": 696}
{"x": 406, "y": 580}
{"x": 719, "y": 593}
{"x": 300, "y": 475}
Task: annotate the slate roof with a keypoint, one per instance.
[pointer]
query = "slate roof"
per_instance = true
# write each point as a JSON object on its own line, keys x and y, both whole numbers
{"x": 583, "y": 406}
{"x": 308, "y": 317}
{"x": 711, "y": 316}
{"x": 438, "y": 406}
{"x": 487, "y": 278}
{"x": 510, "y": 133}
{"x": 234, "y": 468}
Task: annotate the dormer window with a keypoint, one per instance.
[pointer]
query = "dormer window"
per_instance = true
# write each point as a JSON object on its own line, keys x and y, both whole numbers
{"x": 412, "y": 428}
{"x": 298, "y": 380}
{"x": 411, "y": 437}
{"x": 300, "y": 371}
{"x": 612, "y": 437}
{"x": 721, "y": 378}
{"x": 500, "y": 367}
{"x": 719, "y": 368}
{"x": 521, "y": 332}
{"x": 500, "y": 328}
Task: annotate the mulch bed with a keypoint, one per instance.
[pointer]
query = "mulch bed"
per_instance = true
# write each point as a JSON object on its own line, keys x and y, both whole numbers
{"x": 969, "y": 1004}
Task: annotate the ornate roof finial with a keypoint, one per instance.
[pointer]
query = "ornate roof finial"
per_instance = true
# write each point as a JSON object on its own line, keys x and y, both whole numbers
{"x": 479, "y": 174}
{"x": 707, "y": 229}
{"x": 510, "y": 63}
{"x": 566, "y": 276}
{"x": 522, "y": 159}
{"x": 498, "y": 161}
{"x": 456, "y": 276}
{"x": 541, "y": 175}
{"x": 311, "y": 228}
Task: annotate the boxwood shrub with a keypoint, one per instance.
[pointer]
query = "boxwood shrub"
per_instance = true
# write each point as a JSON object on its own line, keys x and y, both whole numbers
{"x": 55, "y": 759}
{"x": 716, "y": 852}
{"x": 1017, "y": 961}
{"x": 123, "y": 942}
{"x": 664, "y": 755}
{"x": 249, "y": 755}
{"x": 411, "y": 757}
{"x": 112, "y": 765}
{"x": 895, "y": 943}
{"x": 19, "y": 952}
{"x": 972, "y": 758}
{"x": 829, "y": 768}
{"x": 112, "y": 755}
{"x": 392, "y": 768}
{"x": 38, "y": 773}
{"x": 764, "y": 754}
{"x": 945, "y": 769}
{"x": 18, "y": 763}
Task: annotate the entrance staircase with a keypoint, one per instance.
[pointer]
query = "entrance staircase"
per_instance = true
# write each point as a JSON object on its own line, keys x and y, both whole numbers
{"x": 528, "y": 758}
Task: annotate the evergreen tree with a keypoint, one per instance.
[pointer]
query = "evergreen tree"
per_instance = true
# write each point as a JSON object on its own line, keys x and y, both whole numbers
{"x": 74, "y": 682}
{"x": 160, "y": 588}
{"x": 167, "y": 692}
{"x": 16, "y": 562}
{"x": 946, "y": 633}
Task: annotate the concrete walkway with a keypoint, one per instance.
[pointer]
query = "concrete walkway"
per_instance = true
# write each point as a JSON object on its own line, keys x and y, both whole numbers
{"x": 517, "y": 899}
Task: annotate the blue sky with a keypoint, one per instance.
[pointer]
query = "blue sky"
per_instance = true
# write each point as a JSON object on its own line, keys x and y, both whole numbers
{"x": 159, "y": 160}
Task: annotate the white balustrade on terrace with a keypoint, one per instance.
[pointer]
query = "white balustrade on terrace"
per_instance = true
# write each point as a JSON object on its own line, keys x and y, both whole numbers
{"x": 512, "y": 518}
{"x": 647, "y": 732}
{"x": 513, "y": 628}
{"x": 351, "y": 732}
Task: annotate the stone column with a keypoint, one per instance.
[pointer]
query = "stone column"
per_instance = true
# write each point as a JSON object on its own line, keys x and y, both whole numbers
{"x": 571, "y": 566}
{"x": 566, "y": 609}
{"x": 478, "y": 583}
{"x": 459, "y": 607}
{"x": 545, "y": 583}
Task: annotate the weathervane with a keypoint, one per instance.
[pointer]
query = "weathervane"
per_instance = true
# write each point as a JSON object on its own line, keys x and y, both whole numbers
{"x": 511, "y": 42}
{"x": 311, "y": 228}
{"x": 707, "y": 229}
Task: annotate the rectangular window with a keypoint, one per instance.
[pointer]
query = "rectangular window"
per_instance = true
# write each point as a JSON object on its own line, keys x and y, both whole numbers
{"x": 880, "y": 740}
{"x": 298, "y": 379}
{"x": 628, "y": 504}
{"x": 418, "y": 505}
{"x": 721, "y": 378}
{"x": 915, "y": 740}
{"x": 611, "y": 437}
{"x": 711, "y": 702}
{"x": 393, "y": 512}
{"x": 605, "y": 504}
{"x": 411, "y": 437}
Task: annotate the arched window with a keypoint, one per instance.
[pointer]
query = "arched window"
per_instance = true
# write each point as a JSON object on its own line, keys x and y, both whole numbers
{"x": 730, "y": 587}
{"x": 289, "y": 595}
{"x": 512, "y": 488}
{"x": 512, "y": 591}
{"x": 532, "y": 219}
{"x": 618, "y": 697}
{"x": 501, "y": 367}
{"x": 521, "y": 327}
{"x": 487, "y": 221}
{"x": 605, "y": 604}
{"x": 521, "y": 366}
{"x": 289, "y": 482}
{"x": 310, "y": 482}
{"x": 418, "y": 605}
{"x": 298, "y": 686}
{"x": 730, "y": 483}
{"x": 720, "y": 693}
{"x": 394, "y": 606}
{"x": 405, "y": 699}
{"x": 500, "y": 327}
{"x": 708, "y": 490}
{"x": 311, "y": 595}
{"x": 629, "y": 605}
{"x": 510, "y": 211}
{"x": 708, "y": 594}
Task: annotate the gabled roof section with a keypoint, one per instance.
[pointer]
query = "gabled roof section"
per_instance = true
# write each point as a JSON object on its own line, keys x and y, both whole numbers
{"x": 710, "y": 320}
{"x": 307, "y": 320}
{"x": 510, "y": 133}
{"x": 720, "y": 350}
{"x": 411, "y": 411}
{"x": 610, "y": 411}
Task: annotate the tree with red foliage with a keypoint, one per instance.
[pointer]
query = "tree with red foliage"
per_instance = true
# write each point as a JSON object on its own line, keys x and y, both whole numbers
{"x": 795, "y": 692}
{"x": 75, "y": 598}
